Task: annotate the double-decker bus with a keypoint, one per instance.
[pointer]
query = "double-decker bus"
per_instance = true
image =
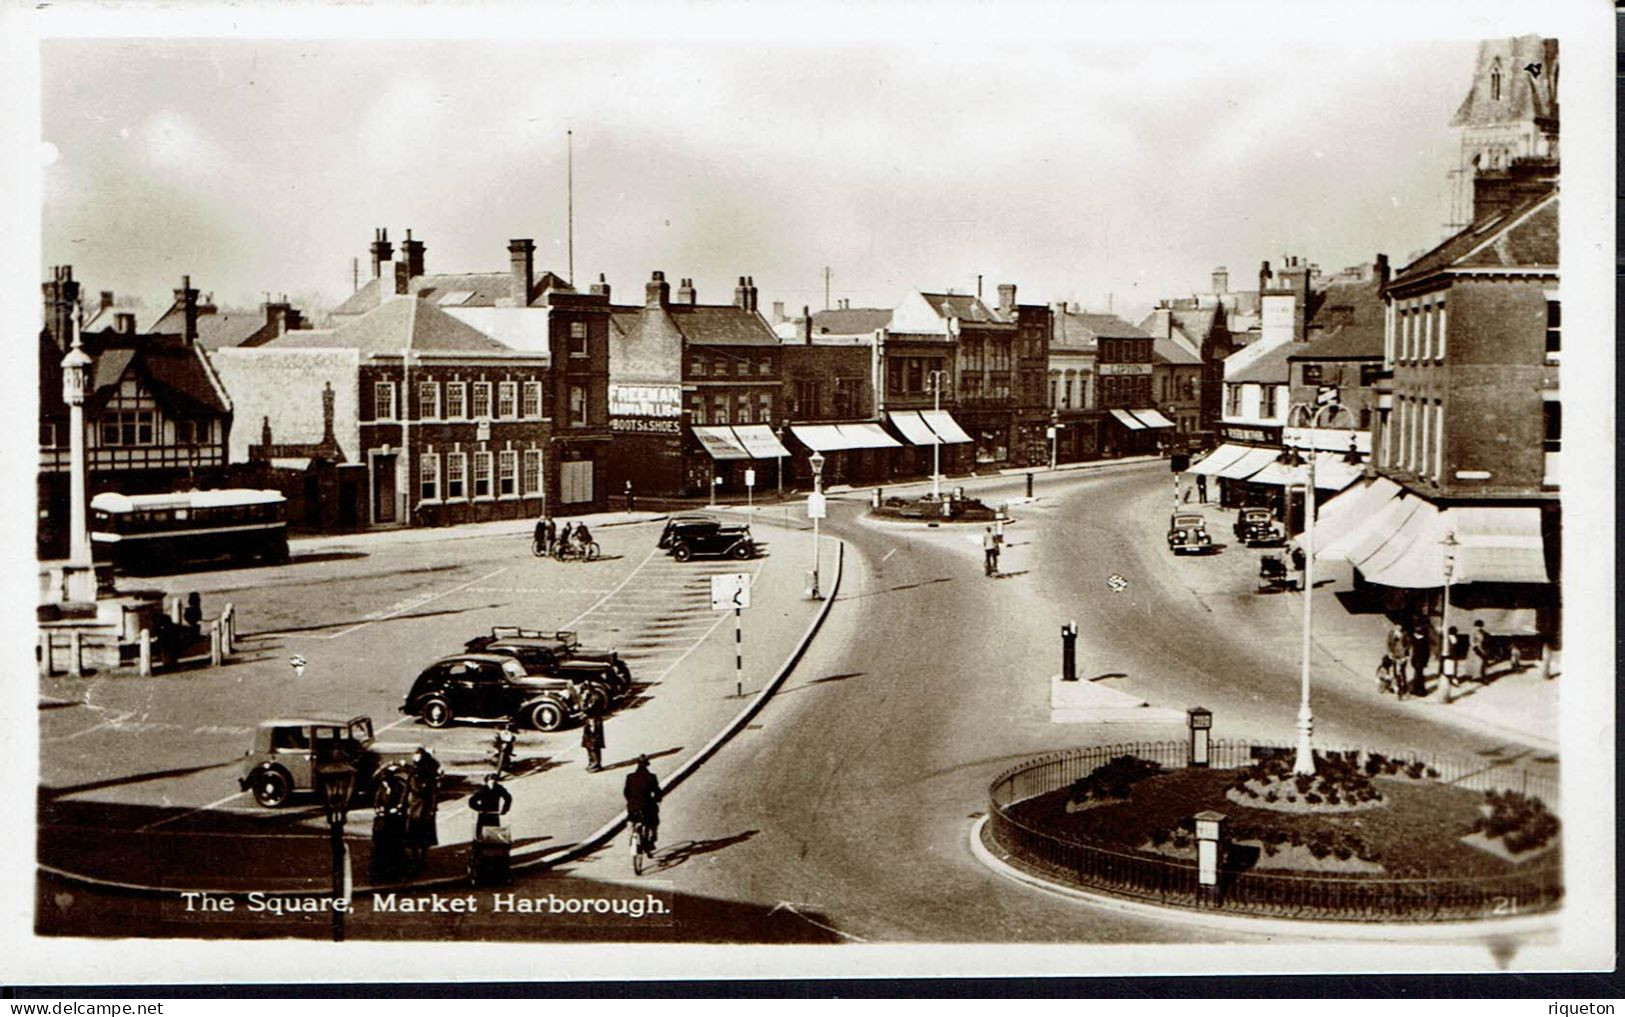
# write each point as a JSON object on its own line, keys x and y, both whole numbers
{"x": 161, "y": 532}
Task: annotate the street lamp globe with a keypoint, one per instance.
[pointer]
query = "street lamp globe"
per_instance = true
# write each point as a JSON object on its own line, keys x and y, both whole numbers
{"x": 816, "y": 461}
{"x": 76, "y": 376}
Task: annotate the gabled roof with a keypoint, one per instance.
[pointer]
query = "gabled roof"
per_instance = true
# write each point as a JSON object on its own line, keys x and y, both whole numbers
{"x": 1108, "y": 326}
{"x": 1170, "y": 351}
{"x": 1344, "y": 344}
{"x": 1525, "y": 236}
{"x": 721, "y": 325}
{"x": 182, "y": 380}
{"x": 850, "y": 320}
{"x": 1268, "y": 368}
{"x": 214, "y": 328}
{"x": 464, "y": 289}
{"x": 1346, "y": 320}
{"x": 964, "y": 307}
{"x": 1071, "y": 335}
{"x": 398, "y": 324}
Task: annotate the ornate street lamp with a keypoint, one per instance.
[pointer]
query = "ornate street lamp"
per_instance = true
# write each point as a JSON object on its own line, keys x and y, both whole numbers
{"x": 79, "y": 576}
{"x": 335, "y": 780}
{"x": 815, "y": 508}
{"x": 936, "y": 378}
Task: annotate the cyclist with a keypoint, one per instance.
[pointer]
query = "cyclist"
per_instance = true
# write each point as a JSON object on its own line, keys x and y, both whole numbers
{"x": 642, "y": 793}
{"x": 562, "y": 547}
{"x": 583, "y": 538}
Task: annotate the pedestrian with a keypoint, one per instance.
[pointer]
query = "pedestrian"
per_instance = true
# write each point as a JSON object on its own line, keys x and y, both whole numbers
{"x": 539, "y": 540}
{"x": 1421, "y": 646}
{"x": 194, "y": 612}
{"x": 490, "y": 803}
{"x": 563, "y": 543}
{"x": 1478, "y": 652}
{"x": 552, "y": 534}
{"x": 1299, "y": 560}
{"x": 631, "y": 503}
{"x": 425, "y": 800}
{"x": 1398, "y": 652}
{"x": 990, "y": 551}
{"x": 1201, "y": 488}
{"x": 592, "y": 739}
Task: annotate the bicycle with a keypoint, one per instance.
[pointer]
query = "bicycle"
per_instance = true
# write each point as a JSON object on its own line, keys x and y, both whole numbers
{"x": 578, "y": 552}
{"x": 642, "y": 843}
{"x": 538, "y": 547}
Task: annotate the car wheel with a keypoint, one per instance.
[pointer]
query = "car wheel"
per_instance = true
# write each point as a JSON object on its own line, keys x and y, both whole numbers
{"x": 682, "y": 552}
{"x": 436, "y": 712}
{"x": 272, "y": 787}
{"x": 740, "y": 552}
{"x": 546, "y": 716}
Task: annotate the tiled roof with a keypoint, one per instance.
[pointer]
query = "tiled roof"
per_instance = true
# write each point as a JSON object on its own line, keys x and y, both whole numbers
{"x": 396, "y": 324}
{"x": 962, "y": 306}
{"x": 722, "y": 325}
{"x": 850, "y": 320}
{"x": 362, "y": 300}
{"x": 182, "y": 380}
{"x": 1525, "y": 235}
{"x": 1169, "y": 351}
{"x": 1270, "y": 368}
{"x": 464, "y": 289}
{"x": 1346, "y": 320}
{"x": 1071, "y": 334}
{"x": 1343, "y": 344}
{"x": 1108, "y": 326}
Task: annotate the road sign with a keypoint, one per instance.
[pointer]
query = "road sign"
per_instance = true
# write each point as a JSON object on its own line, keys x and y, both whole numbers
{"x": 815, "y": 507}
{"x": 750, "y": 478}
{"x": 730, "y": 591}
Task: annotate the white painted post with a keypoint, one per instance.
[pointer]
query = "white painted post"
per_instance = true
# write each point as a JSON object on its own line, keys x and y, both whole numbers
{"x": 46, "y": 663}
{"x": 76, "y": 654}
{"x": 215, "y": 655}
{"x": 146, "y": 653}
{"x": 177, "y": 611}
{"x": 228, "y": 624}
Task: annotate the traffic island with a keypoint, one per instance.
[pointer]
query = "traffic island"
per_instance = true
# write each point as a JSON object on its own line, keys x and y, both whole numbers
{"x": 949, "y": 508}
{"x": 1370, "y": 837}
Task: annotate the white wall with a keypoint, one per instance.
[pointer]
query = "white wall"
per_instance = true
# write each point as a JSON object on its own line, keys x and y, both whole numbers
{"x": 285, "y": 384}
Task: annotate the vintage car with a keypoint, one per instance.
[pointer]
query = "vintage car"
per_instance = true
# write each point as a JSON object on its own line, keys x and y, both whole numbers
{"x": 1258, "y": 526}
{"x": 689, "y": 535}
{"x": 1187, "y": 531}
{"x": 287, "y": 751}
{"x": 488, "y": 686}
{"x": 563, "y": 643}
{"x": 594, "y": 679}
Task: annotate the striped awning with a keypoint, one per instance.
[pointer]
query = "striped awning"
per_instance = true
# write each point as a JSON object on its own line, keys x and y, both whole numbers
{"x": 1251, "y": 462}
{"x": 1210, "y": 464}
{"x": 867, "y": 436}
{"x": 1412, "y": 555}
{"x": 720, "y": 443}
{"x": 1151, "y": 418}
{"x": 911, "y": 426}
{"x": 760, "y": 441}
{"x": 946, "y": 427}
{"x": 1344, "y": 516}
{"x": 1128, "y": 420}
{"x": 1499, "y": 545}
{"x": 819, "y": 437}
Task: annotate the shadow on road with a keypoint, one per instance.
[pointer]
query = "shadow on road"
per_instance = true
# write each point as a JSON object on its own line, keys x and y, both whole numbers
{"x": 652, "y": 756}
{"x": 51, "y": 794}
{"x": 320, "y": 556}
{"x": 826, "y": 680}
{"x": 679, "y": 853}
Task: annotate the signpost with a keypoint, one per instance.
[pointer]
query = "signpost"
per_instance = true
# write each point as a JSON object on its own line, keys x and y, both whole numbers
{"x": 750, "y": 487}
{"x": 731, "y": 592}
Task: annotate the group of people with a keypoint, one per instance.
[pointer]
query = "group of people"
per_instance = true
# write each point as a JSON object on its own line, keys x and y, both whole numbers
{"x": 405, "y": 807}
{"x": 1409, "y": 649}
{"x": 550, "y": 540}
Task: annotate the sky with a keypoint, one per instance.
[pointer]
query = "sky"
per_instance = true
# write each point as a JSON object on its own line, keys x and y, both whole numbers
{"x": 1100, "y": 171}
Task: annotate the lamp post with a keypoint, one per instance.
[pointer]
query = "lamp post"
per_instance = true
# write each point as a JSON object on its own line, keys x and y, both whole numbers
{"x": 1448, "y": 665}
{"x": 815, "y": 508}
{"x": 1305, "y": 759}
{"x": 1054, "y": 434}
{"x": 335, "y": 779}
{"x": 936, "y": 378}
{"x": 79, "y": 576}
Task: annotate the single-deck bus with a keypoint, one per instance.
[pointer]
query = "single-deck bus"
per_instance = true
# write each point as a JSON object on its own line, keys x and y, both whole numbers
{"x": 160, "y": 532}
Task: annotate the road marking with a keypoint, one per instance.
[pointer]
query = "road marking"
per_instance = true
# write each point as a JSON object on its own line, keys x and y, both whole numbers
{"x": 784, "y": 905}
{"x": 889, "y": 554}
{"x": 574, "y": 621}
{"x": 193, "y": 812}
{"x": 418, "y": 602}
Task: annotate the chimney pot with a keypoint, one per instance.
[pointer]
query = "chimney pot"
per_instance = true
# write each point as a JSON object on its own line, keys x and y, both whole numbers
{"x": 656, "y": 292}
{"x": 600, "y": 288}
{"x": 107, "y": 299}
{"x": 413, "y": 249}
{"x": 382, "y": 252}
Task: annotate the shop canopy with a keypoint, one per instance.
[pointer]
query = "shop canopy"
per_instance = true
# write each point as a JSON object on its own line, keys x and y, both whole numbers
{"x": 867, "y": 436}
{"x": 946, "y": 427}
{"x": 720, "y": 443}
{"x": 760, "y": 441}
{"x": 1332, "y": 473}
{"x": 1344, "y": 516}
{"x": 1400, "y": 540}
{"x": 1128, "y": 420}
{"x": 1498, "y": 545}
{"x": 1151, "y": 418}
{"x": 819, "y": 437}
{"x": 911, "y": 426}
{"x": 1218, "y": 459}
{"x": 1254, "y": 460}
{"x": 1411, "y": 556}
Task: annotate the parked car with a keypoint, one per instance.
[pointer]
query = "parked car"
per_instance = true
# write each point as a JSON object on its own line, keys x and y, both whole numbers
{"x": 564, "y": 643}
{"x": 487, "y": 686}
{"x": 1187, "y": 531}
{"x": 287, "y": 750}
{"x": 1256, "y": 525}
{"x": 687, "y": 536}
{"x": 594, "y": 680}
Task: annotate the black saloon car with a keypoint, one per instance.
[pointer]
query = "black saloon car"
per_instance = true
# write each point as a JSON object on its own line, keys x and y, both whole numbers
{"x": 486, "y": 686}
{"x": 687, "y": 536}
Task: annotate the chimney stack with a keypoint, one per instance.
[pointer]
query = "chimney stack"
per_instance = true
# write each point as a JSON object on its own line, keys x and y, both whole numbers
{"x": 61, "y": 299}
{"x": 522, "y": 263}
{"x": 806, "y": 325}
{"x": 413, "y": 249}
{"x": 1007, "y": 297}
{"x": 778, "y": 312}
{"x": 107, "y": 299}
{"x": 750, "y": 292}
{"x": 1221, "y": 280}
{"x": 277, "y": 315}
{"x": 1264, "y": 276}
{"x": 741, "y": 296}
{"x": 186, "y": 297}
{"x": 600, "y": 288}
{"x": 656, "y": 292}
{"x": 685, "y": 293}
{"x": 1383, "y": 270}
{"x": 124, "y": 322}
{"x": 383, "y": 252}
{"x": 403, "y": 280}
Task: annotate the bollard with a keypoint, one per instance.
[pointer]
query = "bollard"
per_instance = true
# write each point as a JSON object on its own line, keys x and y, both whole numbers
{"x": 46, "y": 663}
{"x": 1069, "y": 652}
{"x": 228, "y": 633}
{"x": 145, "y": 669}
{"x": 76, "y": 654}
{"x": 1029, "y": 487}
{"x": 177, "y": 611}
{"x": 874, "y": 499}
{"x": 215, "y": 655}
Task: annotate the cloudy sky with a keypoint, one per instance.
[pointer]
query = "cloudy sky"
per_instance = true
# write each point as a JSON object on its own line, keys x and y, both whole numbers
{"x": 1077, "y": 165}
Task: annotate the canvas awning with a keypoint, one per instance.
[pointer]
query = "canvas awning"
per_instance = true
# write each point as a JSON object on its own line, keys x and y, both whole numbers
{"x": 819, "y": 437}
{"x": 1334, "y": 472}
{"x": 1151, "y": 418}
{"x": 1128, "y": 420}
{"x": 1412, "y": 556}
{"x": 1344, "y": 516}
{"x": 1254, "y": 460}
{"x": 1498, "y": 545}
{"x": 1218, "y": 459}
{"x": 760, "y": 441}
{"x": 911, "y": 426}
{"x": 947, "y": 427}
{"x": 866, "y": 436}
{"x": 720, "y": 443}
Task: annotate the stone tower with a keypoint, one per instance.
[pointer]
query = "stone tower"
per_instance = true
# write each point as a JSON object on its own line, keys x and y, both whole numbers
{"x": 1510, "y": 113}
